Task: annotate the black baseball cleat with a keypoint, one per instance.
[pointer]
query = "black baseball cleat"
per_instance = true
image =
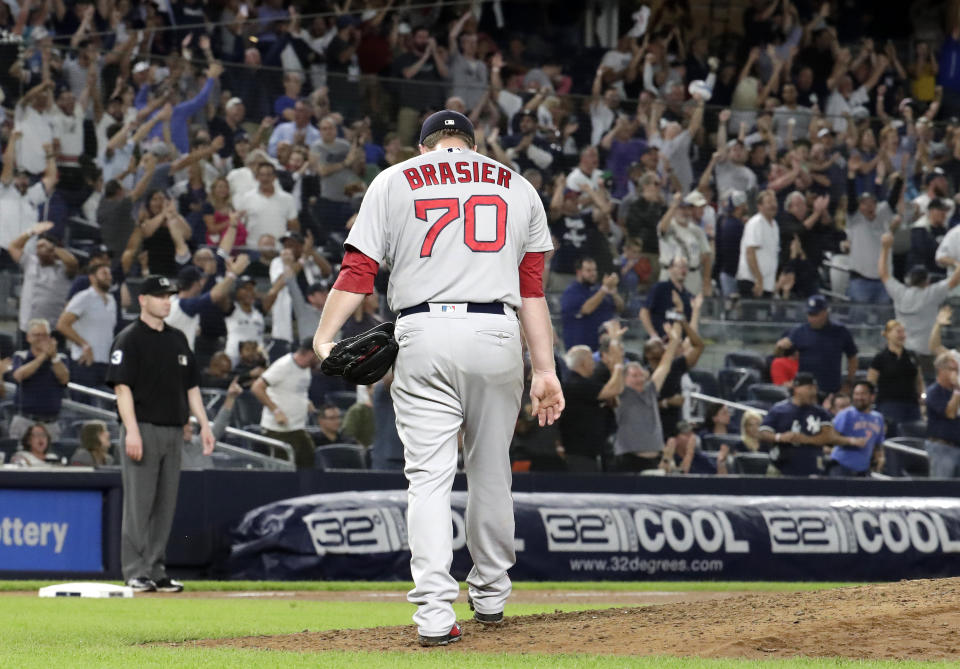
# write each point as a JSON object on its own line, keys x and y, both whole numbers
{"x": 485, "y": 618}
{"x": 141, "y": 584}
{"x": 443, "y": 640}
{"x": 167, "y": 584}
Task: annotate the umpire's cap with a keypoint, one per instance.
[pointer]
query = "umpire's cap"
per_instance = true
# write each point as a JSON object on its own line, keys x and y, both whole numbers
{"x": 157, "y": 285}
{"x": 804, "y": 379}
{"x": 446, "y": 120}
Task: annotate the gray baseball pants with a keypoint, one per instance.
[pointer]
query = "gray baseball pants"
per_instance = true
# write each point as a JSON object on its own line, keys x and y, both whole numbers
{"x": 453, "y": 371}
{"x": 149, "y": 500}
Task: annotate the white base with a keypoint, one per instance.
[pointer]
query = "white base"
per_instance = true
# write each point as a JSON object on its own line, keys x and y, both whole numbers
{"x": 97, "y": 590}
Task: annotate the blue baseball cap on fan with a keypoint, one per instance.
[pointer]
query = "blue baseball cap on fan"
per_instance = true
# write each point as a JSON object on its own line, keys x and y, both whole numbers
{"x": 446, "y": 120}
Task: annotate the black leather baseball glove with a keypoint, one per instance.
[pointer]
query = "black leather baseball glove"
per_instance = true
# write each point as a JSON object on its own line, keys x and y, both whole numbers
{"x": 365, "y": 358}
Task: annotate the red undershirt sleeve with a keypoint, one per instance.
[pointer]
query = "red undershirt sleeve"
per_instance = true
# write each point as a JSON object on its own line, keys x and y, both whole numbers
{"x": 531, "y": 275}
{"x": 356, "y": 273}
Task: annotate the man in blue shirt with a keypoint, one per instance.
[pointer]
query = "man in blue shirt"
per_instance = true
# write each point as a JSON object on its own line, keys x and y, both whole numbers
{"x": 798, "y": 427}
{"x": 943, "y": 426}
{"x": 41, "y": 375}
{"x": 822, "y": 345}
{"x": 667, "y": 296}
{"x": 857, "y": 421}
{"x": 586, "y": 306}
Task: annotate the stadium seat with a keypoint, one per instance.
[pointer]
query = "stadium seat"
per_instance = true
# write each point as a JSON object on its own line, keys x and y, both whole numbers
{"x": 734, "y": 381}
{"x": 7, "y": 345}
{"x": 767, "y": 392}
{"x": 754, "y": 464}
{"x": 9, "y": 446}
{"x": 746, "y": 359}
{"x": 914, "y": 428}
{"x": 65, "y": 448}
{"x": 706, "y": 380}
{"x": 344, "y": 399}
{"x": 712, "y": 442}
{"x": 898, "y": 463}
{"x": 340, "y": 456}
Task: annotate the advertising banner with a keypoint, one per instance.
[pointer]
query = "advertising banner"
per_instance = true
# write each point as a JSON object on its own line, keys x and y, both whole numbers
{"x": 51, "y": 530}
{"x": 362, "y": 535}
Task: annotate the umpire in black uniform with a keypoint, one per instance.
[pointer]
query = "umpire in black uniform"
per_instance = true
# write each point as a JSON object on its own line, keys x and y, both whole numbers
{"x": 157, "y": 383}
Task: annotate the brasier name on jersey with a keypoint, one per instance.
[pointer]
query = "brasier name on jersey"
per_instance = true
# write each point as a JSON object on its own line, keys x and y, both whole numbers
{"x": 460, "y": 172}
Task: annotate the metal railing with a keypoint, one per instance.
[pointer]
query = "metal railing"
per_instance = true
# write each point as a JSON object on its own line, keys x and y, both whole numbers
{"x": 268, "y": 461}
{"x": 887, "y": 444}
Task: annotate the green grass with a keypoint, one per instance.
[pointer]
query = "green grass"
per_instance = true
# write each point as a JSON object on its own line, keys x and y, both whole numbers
{"x": 82, "y": 633}
{"x": 403, "y": 586}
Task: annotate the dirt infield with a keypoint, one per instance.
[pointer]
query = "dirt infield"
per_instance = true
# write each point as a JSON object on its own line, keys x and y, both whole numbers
{"x": 918, "y": 620}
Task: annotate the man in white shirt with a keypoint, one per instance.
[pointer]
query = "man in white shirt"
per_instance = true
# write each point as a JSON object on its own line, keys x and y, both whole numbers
{"x": 844, "y": 98}
{"x": 269, "y": 209}
{"x": 679, "y": 234}
{"x": 66, "y": 117}
{"x": 282, "y": 389}
{"x": 282, "y": 316}
{"x": 87, "y": 322}
{"x": 32, "y": 119}
{"x": 759, "y": 250}
{"x": 19, "y": 201}
{"x": 936, "y": 187}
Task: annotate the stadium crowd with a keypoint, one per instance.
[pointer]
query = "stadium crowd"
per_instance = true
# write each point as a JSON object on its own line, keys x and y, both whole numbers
{"x": 227, "y": 146}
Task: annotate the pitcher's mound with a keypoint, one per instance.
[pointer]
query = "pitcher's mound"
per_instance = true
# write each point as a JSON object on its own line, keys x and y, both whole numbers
{"x": 917, "y": 620}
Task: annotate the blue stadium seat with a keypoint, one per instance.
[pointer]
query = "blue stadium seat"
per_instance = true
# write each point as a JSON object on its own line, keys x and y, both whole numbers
{"x": 344, "y": 399}
{"x": 746, "y": 359}
{"x": 767, "y": 392}
{"x": 914, "y": 428}
{"x": 735, "y": 382}
{"x": 706, "y": 380}
{"x": 898, "y": 463}
{"x": 754, "y": 464}
{"x": 340, "y": 456}
{"x": 9, "y": 446}
{"x": 712, "y": 442}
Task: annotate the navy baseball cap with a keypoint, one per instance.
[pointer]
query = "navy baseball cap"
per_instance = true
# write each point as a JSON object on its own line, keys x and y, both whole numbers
{"x": 933, "y": 174}
{"x": 189, "y": 275}
{"x": 918, "y": 274}
{"x": 804, "y": 379}
{"x": 938, "y": 204}
{"x": 446, "y": 120}
{"x": 816, "y": 304}
{"x": 157, "y": 285}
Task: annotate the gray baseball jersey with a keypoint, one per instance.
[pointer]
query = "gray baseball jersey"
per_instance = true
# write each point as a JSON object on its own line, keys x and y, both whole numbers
{"x": 452, "y": 226}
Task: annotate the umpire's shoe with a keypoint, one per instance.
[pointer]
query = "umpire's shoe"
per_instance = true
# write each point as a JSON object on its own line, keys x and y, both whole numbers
{"x": 443, "y": 640}
{"x": 485, "y": 618}
{"x": 167, "y": 584}
{"x": 142, "y": 584}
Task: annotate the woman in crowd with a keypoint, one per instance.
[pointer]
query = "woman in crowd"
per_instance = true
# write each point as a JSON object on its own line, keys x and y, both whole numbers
{"x": 164, "y": 234}
{"x": 750, "y": 430}
{"x": 895, "y": 371}
{"x": 717, "y": 419}
{"x": 34, "y": 445}
{"x": 217, "y": 213}
{"x": 95, "y": 445}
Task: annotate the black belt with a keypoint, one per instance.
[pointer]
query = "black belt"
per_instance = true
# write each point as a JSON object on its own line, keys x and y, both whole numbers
{"x": 472, "y": 308}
